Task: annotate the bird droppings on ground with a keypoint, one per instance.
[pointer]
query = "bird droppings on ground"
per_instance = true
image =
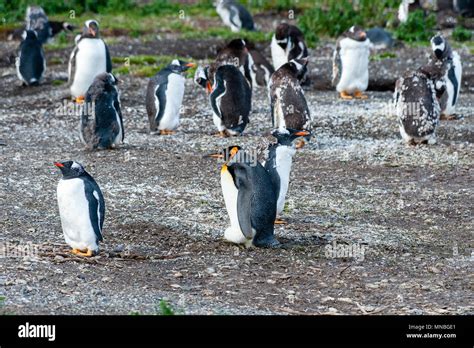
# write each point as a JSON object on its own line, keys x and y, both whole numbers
{"x": 374, "y": 226}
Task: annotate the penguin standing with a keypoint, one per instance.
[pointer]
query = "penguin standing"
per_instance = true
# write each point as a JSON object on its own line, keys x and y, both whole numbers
{"x": 81, "y": 207}
{"x": 30, "y": 63}
{"x": 234, "y": 15}
{"x": 260, "y": 69}
{"x": 350, "y": 74}
{"x": 89, "y": 58}
{"x": 451, "y": 63}
{"x": 250, "y": 200}
{"x": 164, "y": 97}
{"x": 287, "y": 44}
{"x": 230, "y": 101}
{"x": 417, "y": 105}
{"x": 45, "y": 29}
{"x": 288, "y": 103}
{"x": 101, "y": 120}
{"x": 279, "y": 162}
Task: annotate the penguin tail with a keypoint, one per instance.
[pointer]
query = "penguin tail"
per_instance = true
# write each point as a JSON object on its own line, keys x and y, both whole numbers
{"x": 33, "y": 82}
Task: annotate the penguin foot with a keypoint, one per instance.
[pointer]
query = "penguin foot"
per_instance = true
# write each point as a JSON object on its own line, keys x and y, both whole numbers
{"x": 360, "y": 95}
{"x": 300, "y": 143}
{"x": 345, "y": 95}
{"x": 279, "y": 221}
{"x": 78, "y": 252}
{"x": 166, "y": 132}
{"x": 452, "y": 117}
{"x": 412, "y": 143}
{"x": 222, "y": 134}
{"x": 80, "y": 99}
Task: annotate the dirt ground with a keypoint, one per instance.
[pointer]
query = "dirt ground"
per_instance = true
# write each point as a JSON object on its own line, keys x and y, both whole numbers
{"x": 355, "y": 184}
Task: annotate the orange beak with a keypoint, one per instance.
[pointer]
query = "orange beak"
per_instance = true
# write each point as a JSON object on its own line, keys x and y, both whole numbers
{"x": 92, "y": 32}
{"x": 190, "y": 65}
{"x": 208, "y": 87}
{"x": 302, "y": 133}
{"x": 59, "y": 165}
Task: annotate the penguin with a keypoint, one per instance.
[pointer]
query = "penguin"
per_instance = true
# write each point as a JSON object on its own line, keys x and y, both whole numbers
{"x": 260, "y": 69}
{"x": 45, "y": 29}
{"x": 279, "y": 161}
{"x": 451, "y": 63}
{"x": 30, "y": 63}
{"x": 234, "y": 15}
{"x": 89, "y": 58}
{"x": 201, "y": 77}
{"x": 230, "y": 99}
{"x": 164, "y": 97}
{"x": 350, "y": 72}
{"x": 250, "y": 200}
{"x": 417, "y": 105}
{"x": 101, "y": 118}
{"x": 380, "y": 39}
{"x": 288, "y": 104}
{"x": 81, "y": 208}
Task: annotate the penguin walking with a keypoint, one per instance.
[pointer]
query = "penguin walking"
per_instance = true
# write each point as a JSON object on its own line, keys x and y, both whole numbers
{"x": 30, "y": 63}
{"x": 234, "y": 15}
{"x": 45, "y": 29}
{"x": 81, "y": 208}
{"x": 89, "y": 58}
{"x": 230, "y": 100}
{"x": 350, "y": 74}
{"x": 164, "y": 97}
{"x": 451, "y": 63}
{"x": 417, "y": 105}
{"x": 260, "y": 69}
{"x": 288, "y": 104}
{"x": 279, "y": 162}
{"x": 101, "y": 119}
{"x": 250, "y": 200}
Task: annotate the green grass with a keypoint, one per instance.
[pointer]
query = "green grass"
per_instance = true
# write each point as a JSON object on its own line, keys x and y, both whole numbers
{"x": 227, "y": 34}
{"x": 145, "y": 65}
{"x": 417, "y": 28}
{"x": 164, "y": 308}
{"x": 462, "y": 34}
{"x": 381, "y": 56}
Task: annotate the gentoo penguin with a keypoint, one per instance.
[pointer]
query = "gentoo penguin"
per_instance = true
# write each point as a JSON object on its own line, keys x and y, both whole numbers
{"x": 89, "y": 58}
{"x": 417, "y": 105}
{"x": 234, "y": 15}
{"x": 101, "y": 120}
{"x": 287, "y": 44}
{"x": 279, "y": 161}
{"x": 30, "y": 63}
{"x": 250, "y": 200}
{"x": 451, "y": 63}
{"x": 37, "y": 21}
{"x": 81, "y": 207}
{"x": 230, "y": 100}
{"x": 380, "y": 39}
{"x": 350, "y": 69}
{"x": 288, "y": 103}
{"x": 260, "y": 69}
{"x": 165, "y": 95}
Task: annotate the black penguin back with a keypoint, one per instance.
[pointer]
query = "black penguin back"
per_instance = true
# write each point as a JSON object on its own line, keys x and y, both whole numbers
{"x": 31, "y": 64}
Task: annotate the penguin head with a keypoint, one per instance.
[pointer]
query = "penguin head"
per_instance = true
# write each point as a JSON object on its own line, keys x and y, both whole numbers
{"x": 29, "y": 35}
{"x": 355, "y": 33}
{"x": 201, "y": 76}
{"x": 288, "y": 136}
{"x": 91, "y": 29}
{"x": 178, "y": 66}
{"x": 281, "y": 34}
{"x": 296, "y": 67}
{"x": 438, "y": 45}
{"x": 237, "y": 45}
{"x": 70, "y": 169}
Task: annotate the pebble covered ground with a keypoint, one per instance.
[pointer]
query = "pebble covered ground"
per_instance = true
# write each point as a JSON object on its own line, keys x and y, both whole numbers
{"x": 356, "y": 184}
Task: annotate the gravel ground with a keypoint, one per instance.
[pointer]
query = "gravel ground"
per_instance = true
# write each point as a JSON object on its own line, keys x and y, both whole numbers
{"x": 356, "y": 184}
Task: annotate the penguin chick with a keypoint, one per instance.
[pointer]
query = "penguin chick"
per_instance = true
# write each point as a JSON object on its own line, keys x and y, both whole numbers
{"x": 101, "y": 119}
{"x": 89, "y": 58}
{"x": 234, "y": 15}
{"x": 288, "y": 103}
{"x": 350, "y": 74}
{"x": 417, "y": 106}
{"x": 450, "y": 61}
{"x": 230, "y": 100}
{"x": 279, "y": 162}
{"x": 30, "y": 63}
{"x": 81, "y": 208}
{"x": 250, "y": 200}
{"x": 165, "y": 96}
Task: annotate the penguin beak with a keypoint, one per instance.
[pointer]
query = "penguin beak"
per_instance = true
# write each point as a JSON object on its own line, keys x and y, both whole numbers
{"x": 214, "y": 155}
{"x": 92, "y": 32}
{"x": 302, "y": 133}
{"x": 208, "y": 87}
{"x": 190, "y": 65}
{"x": 362, "y": 35}
{"x": 58, "y": 164}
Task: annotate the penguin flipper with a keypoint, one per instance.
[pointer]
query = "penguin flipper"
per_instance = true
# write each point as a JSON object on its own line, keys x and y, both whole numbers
{"x": 119, "y": 112}
{"x": 72, "y": 64}
{"x": 244, "y": 198}
{"x": 336, "y": 65}
{"x": 108, "y": 60}
{"x": 160, "y": 96}
{"x": 218, "y": 91}
{"x": 96, "y": 206}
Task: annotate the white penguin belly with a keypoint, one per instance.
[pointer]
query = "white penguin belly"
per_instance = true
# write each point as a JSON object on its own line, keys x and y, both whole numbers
{"x": 284, "y": 160}
{"x": 233, "y": 233}
{"x": 279, "y": 56}
{"x": 279, "y": 117}
{"x": 90, "y": 61}
{"x": 118, "y": 138}
{"x": 174, "y": 99}
{"x": 74, "y": 213}
{"x": 224, "y": 13}
{"x": 355, "y": 66}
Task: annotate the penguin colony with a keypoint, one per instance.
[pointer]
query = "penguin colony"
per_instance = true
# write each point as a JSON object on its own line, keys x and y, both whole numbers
{"x": 254, "y": 192}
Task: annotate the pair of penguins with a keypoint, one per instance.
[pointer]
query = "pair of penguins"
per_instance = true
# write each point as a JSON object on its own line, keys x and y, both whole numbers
{"x": 254, "y": 195}
{"x": 428, "y": 94}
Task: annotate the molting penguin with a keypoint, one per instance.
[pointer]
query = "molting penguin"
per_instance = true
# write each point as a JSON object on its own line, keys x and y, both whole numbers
{"x": 89, "y": 58}
{"x": 288, "y": 103}
{"x": 350, "y": 74}
{"x": 164, "y": 97}
{"x": 37, "y": 21}
{"x": 81, "y": 207}
{"x": 234, "y": 15}
{"x": 417, "y": 105}
{"x": 250, "y": 200}
{"x": 101, "y": 120}
{"x": 260, "y": 69}
{"x": 30, "y": 63}
{"x": 279, "y": 161}
{"x": 230, "y": 101}
{"x": 451, "y": 63}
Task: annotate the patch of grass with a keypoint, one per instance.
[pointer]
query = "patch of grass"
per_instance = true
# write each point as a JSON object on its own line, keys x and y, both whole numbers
{"x": 462, "y": 34}
{"x": 381, "y": 56}
{"x": 145, "y": 65}
{"x": 164, "y": 308}
{"x": 54, "y": 61}
{"x": 417, "y": 28}
{"x": 58, "y": 82}
{"x": 227, "y": 34}
{"x": 2, "y": 305}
